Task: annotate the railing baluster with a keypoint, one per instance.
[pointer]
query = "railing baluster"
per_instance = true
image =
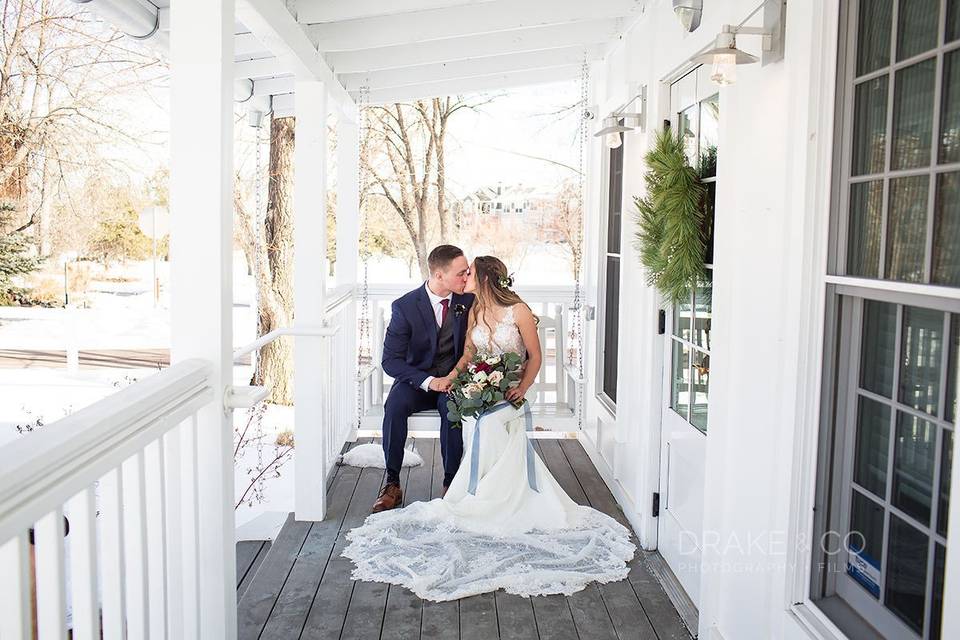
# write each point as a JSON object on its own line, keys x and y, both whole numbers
{"x": 135, "y": 537}
{"x": 83, "y": 565}
{"x": 173, "y": 529}
{"x": 121, "y": 565}
{"x": 51, "y": 594}
{"x": 111, "y": 555}
{"x": 190, "y": 514}
{"x": 15, "y": 618}
{"x": 156, "y": 547}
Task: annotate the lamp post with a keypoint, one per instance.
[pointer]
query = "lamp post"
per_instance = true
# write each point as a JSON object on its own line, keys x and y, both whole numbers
{"x": 153, "y": 223}
{"x": 65, "y": 259}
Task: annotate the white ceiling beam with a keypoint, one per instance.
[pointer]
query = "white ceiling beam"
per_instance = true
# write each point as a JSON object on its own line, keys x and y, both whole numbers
{"x": 246, "y": 44}
{"x": 282, "y": 105}
{"x": 485, "y": 66}
{"x": 454, "y": 22}
{"x": 338, "y": 10}
{"x": 259, "y": 68}
{"x": 474, "y": 85}
{"x": 469, "y": 47}
{"x": 282, "y": 35}
{"x": 272, "y": 86}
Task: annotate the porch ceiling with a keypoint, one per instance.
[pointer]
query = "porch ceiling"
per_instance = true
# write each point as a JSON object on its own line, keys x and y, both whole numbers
{"x": 408, "y": 49}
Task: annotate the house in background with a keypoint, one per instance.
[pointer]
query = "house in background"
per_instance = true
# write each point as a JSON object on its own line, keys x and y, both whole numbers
{"x": 515, "y": 199}
{"x": 782, "y": 442}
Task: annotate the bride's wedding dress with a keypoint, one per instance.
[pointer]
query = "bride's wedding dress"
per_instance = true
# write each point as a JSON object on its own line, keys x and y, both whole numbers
{"x": 505, "y": 522}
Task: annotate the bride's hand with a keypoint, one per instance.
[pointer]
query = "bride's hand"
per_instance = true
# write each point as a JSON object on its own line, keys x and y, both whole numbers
{"x": 515, "y": 394}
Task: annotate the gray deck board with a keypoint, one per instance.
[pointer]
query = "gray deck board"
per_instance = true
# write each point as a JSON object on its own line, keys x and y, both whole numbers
{"x": 301, "y": 586}
{"x": 439, "y": 620}
{"x": 404, "y": 611}
{"x": 515, "y": 617}
{"x": 554, "y": 619}
{"x": 247, "y": 566}
{"x": 660, "y": 612}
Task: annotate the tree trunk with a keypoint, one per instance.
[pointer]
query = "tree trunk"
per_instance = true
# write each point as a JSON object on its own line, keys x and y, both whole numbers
{"x": 46, "y": 207}
{"x": 275, "y": 286}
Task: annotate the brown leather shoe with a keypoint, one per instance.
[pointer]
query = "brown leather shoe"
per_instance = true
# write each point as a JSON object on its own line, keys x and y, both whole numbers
{"x": 391, "y": 497}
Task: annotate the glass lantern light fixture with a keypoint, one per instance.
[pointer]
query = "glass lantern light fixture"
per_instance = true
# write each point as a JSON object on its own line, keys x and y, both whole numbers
{"x": 612, "y": 131}
{"x": 724, "y": 56}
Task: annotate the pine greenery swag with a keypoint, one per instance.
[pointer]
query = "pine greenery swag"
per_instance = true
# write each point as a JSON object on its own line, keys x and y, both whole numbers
{"x": 670, "y": 220}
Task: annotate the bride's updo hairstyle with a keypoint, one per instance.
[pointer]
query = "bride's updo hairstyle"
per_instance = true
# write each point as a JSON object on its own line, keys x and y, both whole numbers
{"x": 493, "y": 289}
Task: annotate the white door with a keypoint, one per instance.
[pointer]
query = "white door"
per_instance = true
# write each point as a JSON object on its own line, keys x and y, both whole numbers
{"x": 686, "y": 375}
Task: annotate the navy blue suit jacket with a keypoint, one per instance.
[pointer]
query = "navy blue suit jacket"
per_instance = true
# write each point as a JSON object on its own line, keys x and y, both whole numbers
{"x": 410, "y": 343}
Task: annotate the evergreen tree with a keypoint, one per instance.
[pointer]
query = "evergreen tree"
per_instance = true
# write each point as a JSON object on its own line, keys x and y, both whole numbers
{"x": 15, "y": 257}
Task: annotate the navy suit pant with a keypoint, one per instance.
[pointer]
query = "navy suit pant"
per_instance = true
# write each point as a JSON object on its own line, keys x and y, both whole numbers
{"x": 403, "y": 401}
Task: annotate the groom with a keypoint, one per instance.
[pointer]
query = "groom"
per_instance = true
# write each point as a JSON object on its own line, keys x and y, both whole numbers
{"x": 423, "y": 342}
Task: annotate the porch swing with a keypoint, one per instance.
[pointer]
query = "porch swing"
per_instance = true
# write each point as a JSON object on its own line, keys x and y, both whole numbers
{"x": 563, "y": 414}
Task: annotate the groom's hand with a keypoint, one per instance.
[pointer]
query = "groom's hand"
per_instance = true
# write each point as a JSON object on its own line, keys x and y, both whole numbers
{"x": 441, "y": 385}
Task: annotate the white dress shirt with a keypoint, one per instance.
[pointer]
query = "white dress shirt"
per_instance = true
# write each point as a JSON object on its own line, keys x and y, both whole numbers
{"x": 435, "y": 301}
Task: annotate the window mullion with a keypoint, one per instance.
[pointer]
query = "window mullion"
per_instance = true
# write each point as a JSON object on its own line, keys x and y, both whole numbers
{"x": 888, "y": 149}
{"x": 934, "y": 156}
{"x": 891, "y": 452}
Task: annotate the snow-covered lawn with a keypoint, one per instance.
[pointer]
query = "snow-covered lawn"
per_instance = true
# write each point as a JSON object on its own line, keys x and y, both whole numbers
{"x": 122, "y": 315}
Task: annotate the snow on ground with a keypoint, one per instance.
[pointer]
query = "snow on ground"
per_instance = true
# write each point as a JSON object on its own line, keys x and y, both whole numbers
{"x": 122, "y": 315}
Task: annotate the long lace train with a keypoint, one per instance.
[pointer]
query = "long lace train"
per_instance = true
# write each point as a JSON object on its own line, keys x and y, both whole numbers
{"x": 418, "y": 548}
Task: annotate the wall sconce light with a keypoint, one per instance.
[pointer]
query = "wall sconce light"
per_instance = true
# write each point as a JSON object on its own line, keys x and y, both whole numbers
{"x": 612, "y": 129}
{"x": 723, "y": 54}
{"x": 611, "y": 132}
{"x": 688, "y": 13}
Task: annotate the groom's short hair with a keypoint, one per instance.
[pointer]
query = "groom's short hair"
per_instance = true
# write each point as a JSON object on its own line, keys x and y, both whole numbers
{"x": 442, "y": 256}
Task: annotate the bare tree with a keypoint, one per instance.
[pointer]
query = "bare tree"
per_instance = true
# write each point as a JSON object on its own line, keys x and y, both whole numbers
{"x": 565, "y": 225}
{"x": 60, "y": 75}
{"x": 405, "y": 162}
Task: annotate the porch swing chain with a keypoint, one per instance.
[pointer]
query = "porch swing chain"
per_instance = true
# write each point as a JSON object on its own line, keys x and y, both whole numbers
{"x": 259, "y": 221}
{"x": 578, "y": 239}
{"x": 363, "y": 339}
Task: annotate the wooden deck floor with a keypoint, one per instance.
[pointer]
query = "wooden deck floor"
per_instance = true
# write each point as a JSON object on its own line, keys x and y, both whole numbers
{"x": 300, "y": 586}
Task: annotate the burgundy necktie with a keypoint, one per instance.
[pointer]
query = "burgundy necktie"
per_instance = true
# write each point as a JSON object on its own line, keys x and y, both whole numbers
{"x": 443, "y": 315}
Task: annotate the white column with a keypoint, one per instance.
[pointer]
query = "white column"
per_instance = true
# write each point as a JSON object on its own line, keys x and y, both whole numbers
{"x": 310, "y": 358}
{"x": 348, "y": 197}
{"x": 201, "y": 238}
{"x": 348, "y": 229}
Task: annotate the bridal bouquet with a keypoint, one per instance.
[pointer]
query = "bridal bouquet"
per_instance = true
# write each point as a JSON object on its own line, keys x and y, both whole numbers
{"x": 483, "y": 384}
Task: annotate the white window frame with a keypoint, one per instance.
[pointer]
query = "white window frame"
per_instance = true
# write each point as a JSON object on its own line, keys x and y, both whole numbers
{"x": 606, "y": 401}
{"x": 818, "y": 299}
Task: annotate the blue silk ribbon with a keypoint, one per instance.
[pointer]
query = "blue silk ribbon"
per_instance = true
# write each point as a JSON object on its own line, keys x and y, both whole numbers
{"x": 475, "y": 448}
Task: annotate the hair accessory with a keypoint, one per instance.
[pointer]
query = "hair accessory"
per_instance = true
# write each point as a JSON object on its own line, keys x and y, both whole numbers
{"x": 505, "y": 282}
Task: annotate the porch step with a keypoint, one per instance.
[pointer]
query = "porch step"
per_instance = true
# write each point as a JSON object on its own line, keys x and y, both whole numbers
{"x": 250, "y": 557}
{"x": 260, "y": 594}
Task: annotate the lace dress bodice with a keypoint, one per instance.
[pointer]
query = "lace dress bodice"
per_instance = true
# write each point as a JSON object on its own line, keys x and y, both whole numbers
{"x": 506, "y": 336}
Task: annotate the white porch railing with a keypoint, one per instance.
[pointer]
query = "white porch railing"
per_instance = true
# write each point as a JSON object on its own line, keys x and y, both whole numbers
{"x": 554, "y": 394}
{"x": 320, "y": 428}
{"x": 125, "y": 471}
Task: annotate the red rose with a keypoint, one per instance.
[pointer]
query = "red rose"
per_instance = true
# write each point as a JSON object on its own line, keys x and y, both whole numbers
{"x": 483, "y": 367}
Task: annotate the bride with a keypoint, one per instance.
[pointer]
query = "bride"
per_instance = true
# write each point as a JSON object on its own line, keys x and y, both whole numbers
{"x": 504, "y": 522}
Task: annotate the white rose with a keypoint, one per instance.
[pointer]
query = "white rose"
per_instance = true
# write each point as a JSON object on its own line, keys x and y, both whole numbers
{"x": 494, "y": 360}
{"x": 496, "y": 377}
{"x": 469, "y": 390}
{"x": 480, "y": 377}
